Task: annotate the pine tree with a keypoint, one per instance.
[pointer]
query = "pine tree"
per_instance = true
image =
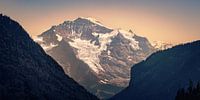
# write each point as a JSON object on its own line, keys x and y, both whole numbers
{"x": 192, "y": 92}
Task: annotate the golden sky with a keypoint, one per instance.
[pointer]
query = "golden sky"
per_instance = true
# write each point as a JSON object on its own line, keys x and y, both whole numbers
{"x": 174, "y": 21}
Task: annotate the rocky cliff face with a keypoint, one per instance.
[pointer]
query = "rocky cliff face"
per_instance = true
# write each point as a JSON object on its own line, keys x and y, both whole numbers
{"x": 28, "y": 73}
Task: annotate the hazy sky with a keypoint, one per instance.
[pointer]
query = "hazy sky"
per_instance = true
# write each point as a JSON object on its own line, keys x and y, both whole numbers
{"x": 173, "y": 21}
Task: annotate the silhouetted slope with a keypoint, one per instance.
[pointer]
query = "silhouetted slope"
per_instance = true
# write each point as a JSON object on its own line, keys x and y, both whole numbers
{"x": 26, "y": 72}
{"x": 163, "y": 73}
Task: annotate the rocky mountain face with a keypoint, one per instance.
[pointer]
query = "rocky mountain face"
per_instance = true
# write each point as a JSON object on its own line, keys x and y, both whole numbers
{"x": 97, "y": 57}
{"x": 27, "y": 72}
{"x": 162, "y": 74}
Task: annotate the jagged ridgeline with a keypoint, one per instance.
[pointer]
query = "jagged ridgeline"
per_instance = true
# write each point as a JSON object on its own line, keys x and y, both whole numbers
{"x": 26, "y": 72}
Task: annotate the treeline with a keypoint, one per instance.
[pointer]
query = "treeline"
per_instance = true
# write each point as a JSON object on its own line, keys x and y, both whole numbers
{"x": 191, "y": 93}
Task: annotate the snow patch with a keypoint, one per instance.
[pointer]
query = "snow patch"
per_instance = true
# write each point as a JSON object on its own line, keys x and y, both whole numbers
{"x": 88, "y": 52}
{"x": 44, "y": 46}
{"x": 128, "y": 35}
{"x": 48, "y": 47}
{"x": 38, "y": 39}
{"x": 105, "y": 39}
{"x": 59, "y": 38}
{"x": 105, "y": 81}
{"x": 109, "y": 52}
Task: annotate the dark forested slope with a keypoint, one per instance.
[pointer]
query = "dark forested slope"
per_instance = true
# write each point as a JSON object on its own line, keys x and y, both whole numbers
{"x": 161, "y": 75}
{"x": 26, "y": 72}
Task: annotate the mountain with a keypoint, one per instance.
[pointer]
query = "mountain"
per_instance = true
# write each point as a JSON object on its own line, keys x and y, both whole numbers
{"x": 28, "y": 73}
{"x": 163, "y": 73}
{"x": 159, "y": 45}
{"x": 97, "y": 57}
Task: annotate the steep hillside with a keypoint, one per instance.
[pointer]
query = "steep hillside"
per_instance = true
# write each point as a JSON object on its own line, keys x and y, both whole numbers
{"x": 26, "y": 72}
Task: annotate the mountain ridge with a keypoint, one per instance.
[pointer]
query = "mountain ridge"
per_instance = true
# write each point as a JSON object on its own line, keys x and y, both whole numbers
{"x": 161, "y": 75}
{"x": 27, "y": 72}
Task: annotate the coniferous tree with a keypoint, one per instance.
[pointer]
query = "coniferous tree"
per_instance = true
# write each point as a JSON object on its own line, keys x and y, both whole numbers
{"x": 192, "y": 92}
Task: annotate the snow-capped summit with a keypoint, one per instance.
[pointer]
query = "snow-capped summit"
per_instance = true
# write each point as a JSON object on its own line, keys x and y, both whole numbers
{"x": 94, "y": 55}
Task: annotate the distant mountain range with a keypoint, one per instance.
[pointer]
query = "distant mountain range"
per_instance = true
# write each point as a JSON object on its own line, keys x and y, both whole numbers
{"x": 159, "y": 45}
{"x": 161, "y": 75}
{"x": 97, "y": 57}
{"x": 27, "y": 73}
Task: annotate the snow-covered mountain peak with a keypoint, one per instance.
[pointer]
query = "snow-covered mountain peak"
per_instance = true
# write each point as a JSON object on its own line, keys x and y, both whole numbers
{"x": 86, "y": 49}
